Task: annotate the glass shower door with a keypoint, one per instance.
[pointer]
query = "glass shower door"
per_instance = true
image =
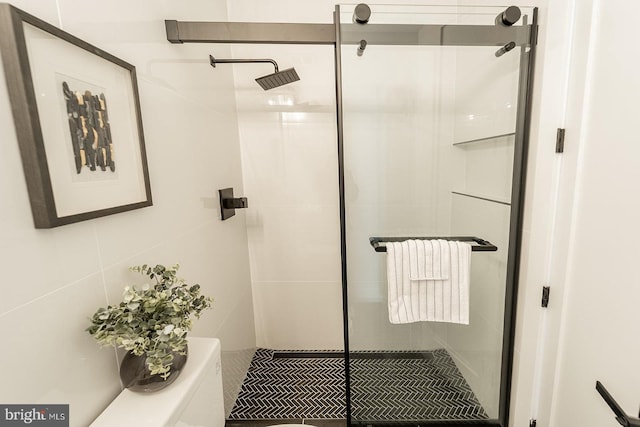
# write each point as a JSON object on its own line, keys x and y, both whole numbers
{"x": 433, "y": 130}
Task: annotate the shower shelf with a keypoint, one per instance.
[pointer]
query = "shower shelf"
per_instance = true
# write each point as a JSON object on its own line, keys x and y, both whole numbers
{"x": 488, "y": 138}
{"x": 481, "y": 245}
{"x": 485, "y": 198}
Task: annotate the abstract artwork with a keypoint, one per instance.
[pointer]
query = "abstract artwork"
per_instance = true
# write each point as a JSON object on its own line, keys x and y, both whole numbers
{"x": 89, "y": 130}
{"x": 78, "y": 123}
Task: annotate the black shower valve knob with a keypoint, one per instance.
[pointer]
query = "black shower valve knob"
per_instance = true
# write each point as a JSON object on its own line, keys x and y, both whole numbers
{"x": 235, "y": 203}
{"x": 229, "y": 203}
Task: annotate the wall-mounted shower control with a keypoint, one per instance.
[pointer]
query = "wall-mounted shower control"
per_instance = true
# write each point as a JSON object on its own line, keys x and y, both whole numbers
{"x": 235, "y": 203}
{"x": 229, "y": 204}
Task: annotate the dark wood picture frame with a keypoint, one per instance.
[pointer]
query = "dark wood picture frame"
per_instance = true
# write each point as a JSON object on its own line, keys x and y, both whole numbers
{"x": 32, "y": 142}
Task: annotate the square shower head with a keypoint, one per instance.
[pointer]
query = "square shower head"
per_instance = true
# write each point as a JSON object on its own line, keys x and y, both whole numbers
{"x": 278, "y": 78}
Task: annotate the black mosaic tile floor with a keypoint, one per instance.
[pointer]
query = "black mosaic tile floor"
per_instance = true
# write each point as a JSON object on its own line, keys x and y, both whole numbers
{"x": 384, "y": 388}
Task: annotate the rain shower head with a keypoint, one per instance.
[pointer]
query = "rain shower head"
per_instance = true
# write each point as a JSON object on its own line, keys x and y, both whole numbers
{"x": 277, "y": 79}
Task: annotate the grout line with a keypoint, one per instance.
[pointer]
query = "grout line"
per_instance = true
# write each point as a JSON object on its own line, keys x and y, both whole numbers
{"x": 123, "y": 259}
{"x": 46, "y": 295}
{"x": 59, "y": 14}
{"x": 100, "y": 264}
{"x": 232, "y": 311}
{"x": 115, "y": 354}
{"x": 106, "y": 296}
{"x": 177, "y": 235}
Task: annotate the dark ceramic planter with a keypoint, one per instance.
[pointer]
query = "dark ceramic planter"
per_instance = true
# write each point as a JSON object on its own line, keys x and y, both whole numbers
{"x": 136, "y": 376}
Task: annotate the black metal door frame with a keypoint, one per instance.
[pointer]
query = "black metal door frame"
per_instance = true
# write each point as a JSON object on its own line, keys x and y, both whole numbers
{"x": 336, "y": 34}
{"x": 467, "y": 37}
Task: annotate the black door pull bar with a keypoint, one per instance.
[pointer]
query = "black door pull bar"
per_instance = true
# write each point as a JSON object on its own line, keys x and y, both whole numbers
{"x": 621, "y": 416}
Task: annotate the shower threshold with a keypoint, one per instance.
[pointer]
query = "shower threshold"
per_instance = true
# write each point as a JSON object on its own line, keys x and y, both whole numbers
{"x": 404, "y": 387}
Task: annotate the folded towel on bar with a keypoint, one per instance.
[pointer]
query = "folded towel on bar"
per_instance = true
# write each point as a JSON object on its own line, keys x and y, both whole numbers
{"x": 428, "y": 280}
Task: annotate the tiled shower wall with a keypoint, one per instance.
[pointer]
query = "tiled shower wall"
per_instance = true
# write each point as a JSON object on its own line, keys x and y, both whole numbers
{"x": 53, "y": 280}
{"x": 290, "y": 171}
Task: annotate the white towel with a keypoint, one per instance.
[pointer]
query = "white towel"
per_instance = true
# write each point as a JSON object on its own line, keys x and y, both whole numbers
{"x": 428, "y": 280}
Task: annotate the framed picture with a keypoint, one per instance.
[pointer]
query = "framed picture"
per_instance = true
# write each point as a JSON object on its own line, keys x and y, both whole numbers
{"x": 77, "y": 118}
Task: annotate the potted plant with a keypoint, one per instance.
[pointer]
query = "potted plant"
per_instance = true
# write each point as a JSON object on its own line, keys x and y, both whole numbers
{"x": 151, "y": 322}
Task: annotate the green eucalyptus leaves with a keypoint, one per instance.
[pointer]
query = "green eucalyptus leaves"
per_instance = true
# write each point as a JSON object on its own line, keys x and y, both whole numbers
{"x": 151, "y": 320}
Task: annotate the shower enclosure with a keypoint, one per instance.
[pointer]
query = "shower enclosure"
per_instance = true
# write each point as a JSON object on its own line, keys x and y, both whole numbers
{"x": 433, "y": 145}
{"x": 432, "y": 117}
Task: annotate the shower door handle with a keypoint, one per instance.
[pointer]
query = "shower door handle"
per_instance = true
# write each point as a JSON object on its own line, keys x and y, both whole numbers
{"x": 621, "y": 416}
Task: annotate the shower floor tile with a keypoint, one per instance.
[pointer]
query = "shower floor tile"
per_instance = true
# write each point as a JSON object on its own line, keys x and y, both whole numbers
{"x": 383, "y": 388}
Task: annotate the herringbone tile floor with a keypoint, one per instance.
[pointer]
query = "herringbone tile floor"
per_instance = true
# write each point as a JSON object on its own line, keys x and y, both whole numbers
{"x": 382, "y": 389}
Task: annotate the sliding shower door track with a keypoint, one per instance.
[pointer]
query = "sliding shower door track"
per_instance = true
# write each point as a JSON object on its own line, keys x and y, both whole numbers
{"x": 324, "y": 34}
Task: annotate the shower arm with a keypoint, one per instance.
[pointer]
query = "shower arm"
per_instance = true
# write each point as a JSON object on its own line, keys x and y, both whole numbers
{"x": 213, "y": 61}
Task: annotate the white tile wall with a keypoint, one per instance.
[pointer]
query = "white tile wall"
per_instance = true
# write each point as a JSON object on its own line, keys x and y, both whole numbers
{"x": 51, "y": 359}
{"x": 486, "y": 93}
{"x": 289, "y": 160}
{"x": 55, "y": 279}
{"x": 298, "y": 316}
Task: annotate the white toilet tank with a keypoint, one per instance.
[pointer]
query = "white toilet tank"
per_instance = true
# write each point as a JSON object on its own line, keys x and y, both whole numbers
{"x": 195, "y": 399}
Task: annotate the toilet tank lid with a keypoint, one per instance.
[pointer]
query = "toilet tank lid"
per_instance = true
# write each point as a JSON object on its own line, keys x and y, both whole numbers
{"x": 163, "y": 407}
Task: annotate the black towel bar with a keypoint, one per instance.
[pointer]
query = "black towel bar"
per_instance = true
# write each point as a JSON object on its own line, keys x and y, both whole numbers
{"x": 480, "y": 246}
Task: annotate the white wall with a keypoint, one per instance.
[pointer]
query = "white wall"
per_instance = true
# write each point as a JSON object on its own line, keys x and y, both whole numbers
{"x": 599, "y": 306}
{"x": 559, "y": 89}
{"x": 55, "y": 279}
